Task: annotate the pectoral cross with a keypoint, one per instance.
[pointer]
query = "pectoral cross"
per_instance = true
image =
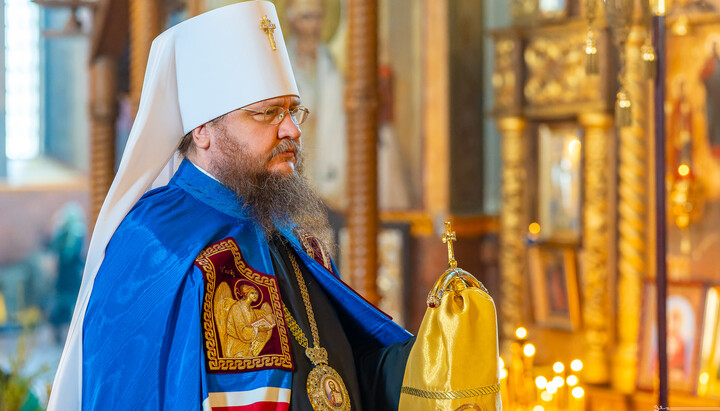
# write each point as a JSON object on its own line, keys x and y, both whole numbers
{"x": 269, "y": 28}
{"x": 448, "y": 237}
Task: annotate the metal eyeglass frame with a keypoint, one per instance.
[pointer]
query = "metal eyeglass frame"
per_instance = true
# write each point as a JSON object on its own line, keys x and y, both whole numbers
{"x": 281, "y": 116}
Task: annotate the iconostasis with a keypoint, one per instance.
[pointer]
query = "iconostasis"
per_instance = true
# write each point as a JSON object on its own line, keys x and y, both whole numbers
{"x": 578, "y": 238}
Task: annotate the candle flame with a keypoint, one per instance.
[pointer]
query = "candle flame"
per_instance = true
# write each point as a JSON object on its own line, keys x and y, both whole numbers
{"x": 576, "y": 365}
{"x": 572, "y": 380}
{"x": 529, "y": 350}
{"x": 541, "y": 382}
{"x": 521, "y": 332}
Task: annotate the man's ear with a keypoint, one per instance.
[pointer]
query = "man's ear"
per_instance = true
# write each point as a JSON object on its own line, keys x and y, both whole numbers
{"x": 201, "y": 137}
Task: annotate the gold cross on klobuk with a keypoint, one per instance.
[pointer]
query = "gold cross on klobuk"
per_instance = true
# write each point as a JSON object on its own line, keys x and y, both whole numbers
{"x": 269, "y": 28}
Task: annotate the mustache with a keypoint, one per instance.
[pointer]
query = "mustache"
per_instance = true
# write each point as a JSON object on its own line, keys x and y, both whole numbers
{"x": 286, "y": 145}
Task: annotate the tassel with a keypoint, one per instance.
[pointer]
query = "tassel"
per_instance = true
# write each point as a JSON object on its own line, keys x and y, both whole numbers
{"x": 591, "y": 62}
{"x": 623, "y": 110}
{"x": 648, "y": 56}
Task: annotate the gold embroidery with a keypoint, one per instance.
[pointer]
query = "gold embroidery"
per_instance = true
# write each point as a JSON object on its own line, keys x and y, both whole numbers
{"x": 451, "y": 395}
{"x": 217, "y": 361}
{"x": 307, "y": 242}
{"x": 243, "y": 330}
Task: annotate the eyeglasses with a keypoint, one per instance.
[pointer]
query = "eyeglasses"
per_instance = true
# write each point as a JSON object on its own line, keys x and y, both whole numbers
{"x": 275, "y": 114}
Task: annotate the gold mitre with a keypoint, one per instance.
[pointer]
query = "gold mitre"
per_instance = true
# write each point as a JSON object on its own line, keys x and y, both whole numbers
{"x": 453, "y": 364}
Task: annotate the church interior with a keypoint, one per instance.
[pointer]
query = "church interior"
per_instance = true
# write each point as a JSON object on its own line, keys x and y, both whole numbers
{"x": 530, "y": 125}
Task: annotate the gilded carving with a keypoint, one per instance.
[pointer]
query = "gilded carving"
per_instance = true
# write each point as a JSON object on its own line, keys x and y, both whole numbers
{"x": 596, "y": 235}
{"x": 505, "y": 78}
{"x": 512, "y": 229}
{"x": 632, "y": 223}
{"x": 523, "y": 10}
{"x": 556, "y": 70}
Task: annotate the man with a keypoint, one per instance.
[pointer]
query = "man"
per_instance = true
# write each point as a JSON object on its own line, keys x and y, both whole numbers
{"x": 216, "y": 290}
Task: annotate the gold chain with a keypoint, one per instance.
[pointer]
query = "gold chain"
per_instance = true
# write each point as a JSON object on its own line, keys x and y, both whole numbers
{"x": 295, "y": 329}
{"x": 316, "y": 354}
{"x": 306, "y": 300}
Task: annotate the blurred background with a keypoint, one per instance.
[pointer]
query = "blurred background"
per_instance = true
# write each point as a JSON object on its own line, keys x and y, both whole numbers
{"x": 497, "y": 115}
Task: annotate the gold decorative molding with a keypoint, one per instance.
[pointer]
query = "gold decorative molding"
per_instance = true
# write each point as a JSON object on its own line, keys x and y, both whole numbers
{"x": 523, "y": 10}
{"x": 632, "y": 220}
{"x": 473, "y": 226}
{"x": 557, "y": 83}
{"x": 512, "y": 224}
{"x": 596, "y": 236}
{"x": 421, "y": 223}
{"x": 507, "y": 74}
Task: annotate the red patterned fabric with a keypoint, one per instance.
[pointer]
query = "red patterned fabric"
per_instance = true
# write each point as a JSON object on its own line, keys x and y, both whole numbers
{"x": 227, "y": 277}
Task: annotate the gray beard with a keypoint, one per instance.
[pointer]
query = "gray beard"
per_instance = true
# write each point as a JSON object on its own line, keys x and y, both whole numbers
{"x": 273, "y": 201}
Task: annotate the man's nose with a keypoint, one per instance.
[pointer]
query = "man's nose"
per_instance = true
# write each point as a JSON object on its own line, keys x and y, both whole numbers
{"x": 288, "y": 128}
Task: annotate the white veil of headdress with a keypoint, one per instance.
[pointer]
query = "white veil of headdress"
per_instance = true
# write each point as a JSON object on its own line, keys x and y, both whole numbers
{"x": 197, "y": 70}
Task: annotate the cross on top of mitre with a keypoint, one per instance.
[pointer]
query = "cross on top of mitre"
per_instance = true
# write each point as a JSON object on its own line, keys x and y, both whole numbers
{"x": 269, "y": 28}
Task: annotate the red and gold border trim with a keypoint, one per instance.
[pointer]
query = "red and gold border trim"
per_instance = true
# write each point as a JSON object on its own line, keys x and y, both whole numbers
{"x": 207, "y": 262}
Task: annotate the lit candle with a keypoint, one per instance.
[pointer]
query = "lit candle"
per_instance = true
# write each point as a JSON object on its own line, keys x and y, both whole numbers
{"x": 521, "y": 333}
{"x": 503, "y": 385}
{"x": 559, "y": 382}
{"x": 552, "y": 389}
{"x": 573, "y": 381}
{"x": 576, "y": 365}
{"x": 528, "y": 354}
{"x": 540, "y": 384}
{"x": 577, "y": 402}
{"x": 516, "y": 375}
{"x": 503, "y": 376}
{"x": 703, "y": 383}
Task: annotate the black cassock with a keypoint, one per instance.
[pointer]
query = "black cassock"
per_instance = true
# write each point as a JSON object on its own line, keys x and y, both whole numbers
{"x": 372, "y": 374}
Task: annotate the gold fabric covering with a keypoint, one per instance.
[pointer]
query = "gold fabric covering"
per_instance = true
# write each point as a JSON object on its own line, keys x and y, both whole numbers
{"x": 453, "y": 364}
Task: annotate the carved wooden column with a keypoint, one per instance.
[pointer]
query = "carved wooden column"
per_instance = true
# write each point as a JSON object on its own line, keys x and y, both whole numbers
{"x": 362, "y": 103}
{"x": 512, "y": 225}
{"x": 596, "y": 237}
{"x": 103, "y": 110}
{"x": 144, "y": 27}
{"x": 435, "y": 103}
{"x": 632, "y": 221}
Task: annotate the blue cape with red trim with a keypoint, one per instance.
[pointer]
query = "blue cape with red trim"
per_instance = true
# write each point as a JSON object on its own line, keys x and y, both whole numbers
{"x": 142, "y": 334}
